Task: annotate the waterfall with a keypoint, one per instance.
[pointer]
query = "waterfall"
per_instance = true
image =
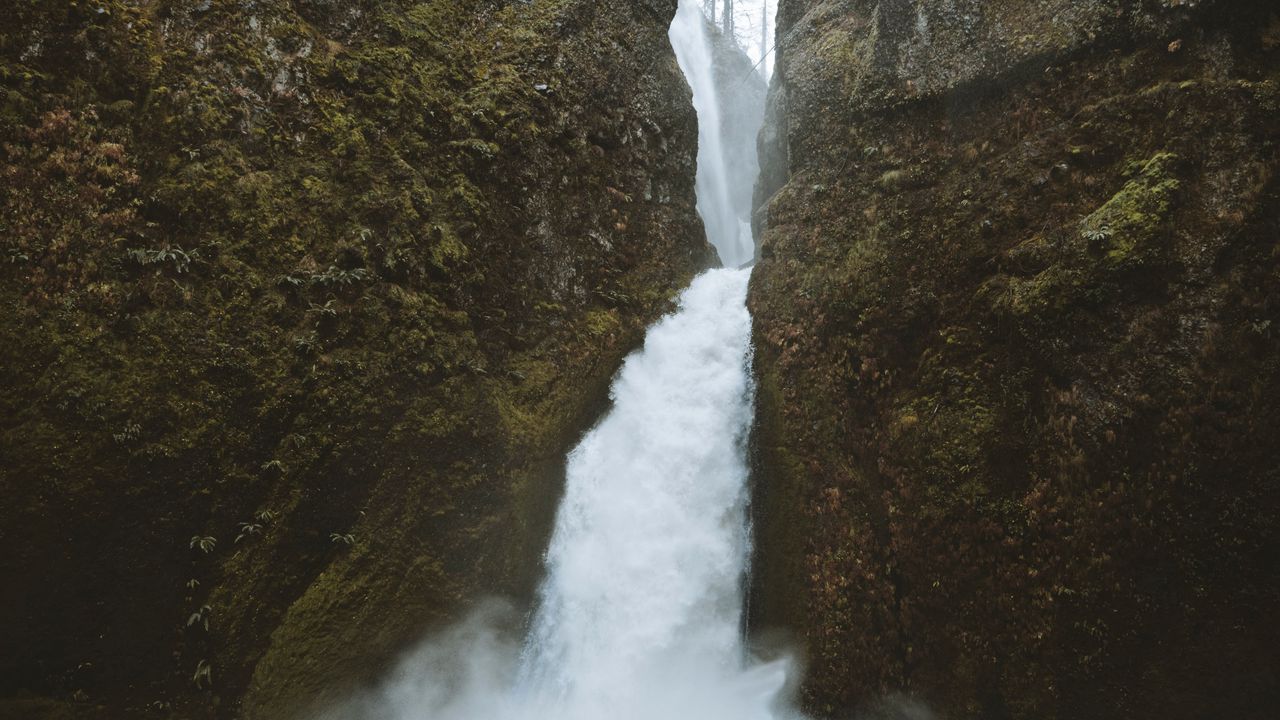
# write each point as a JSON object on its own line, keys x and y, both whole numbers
{"x": 641, "y": 609}
{"x": 724, "y": 180}
{"x": 640, "y": 613}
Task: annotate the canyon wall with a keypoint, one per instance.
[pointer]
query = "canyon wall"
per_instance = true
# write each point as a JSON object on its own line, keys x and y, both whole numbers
{"x": 1018, "y": 343}
{"x": 305, "y": 301}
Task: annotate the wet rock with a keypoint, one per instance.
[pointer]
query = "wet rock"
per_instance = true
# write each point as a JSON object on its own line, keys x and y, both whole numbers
{"x": 320, "y": 282}
{"x": 1012, "y": 435}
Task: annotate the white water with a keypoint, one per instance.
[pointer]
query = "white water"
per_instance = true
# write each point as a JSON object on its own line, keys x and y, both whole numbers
{"x": 641, "y": 610}
{"x": 640, "y": 613}
{"x": 727, "y": 230}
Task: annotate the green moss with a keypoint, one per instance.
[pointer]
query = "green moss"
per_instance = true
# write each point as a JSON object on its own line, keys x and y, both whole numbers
{"x": 337, "y": 243}
{"x": 602, "y": 322}
{"x": 1127, "y": 225}
{"x": 1043, "y": 294}
{"x": 891, "y": 180}
{"x": 946, "y": 430}
{"x": 1005, "y": 408}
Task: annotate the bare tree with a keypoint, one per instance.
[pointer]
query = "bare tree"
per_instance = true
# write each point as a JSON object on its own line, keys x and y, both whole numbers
{"x": 728, "y": 19}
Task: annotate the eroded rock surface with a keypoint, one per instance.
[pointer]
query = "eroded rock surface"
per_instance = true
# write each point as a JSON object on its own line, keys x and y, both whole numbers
{"x": 1017, "y": 342}
{"x": 304, "y": 303}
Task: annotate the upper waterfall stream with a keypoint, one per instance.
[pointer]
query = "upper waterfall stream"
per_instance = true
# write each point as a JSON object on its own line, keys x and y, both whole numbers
{"x": 640, "y": 613}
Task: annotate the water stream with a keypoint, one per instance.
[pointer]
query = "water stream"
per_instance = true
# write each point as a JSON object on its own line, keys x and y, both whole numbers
{"x": 641, "y": 609}
{"x": 640, "y": 614}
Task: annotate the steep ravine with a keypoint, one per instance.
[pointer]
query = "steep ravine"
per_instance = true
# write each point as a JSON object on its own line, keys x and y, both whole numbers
{"x": 1018, "y": 344}
{"x": 306, "y": 300}
{"x": 304, "y": 304}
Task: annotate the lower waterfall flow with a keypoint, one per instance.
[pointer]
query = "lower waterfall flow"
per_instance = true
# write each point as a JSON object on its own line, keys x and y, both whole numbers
{"x": 639, "y": 616}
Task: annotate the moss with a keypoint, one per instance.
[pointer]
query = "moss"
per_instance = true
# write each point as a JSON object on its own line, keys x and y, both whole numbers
{"x": 1128, "y": 223}
{"x": 1045, "y": 294}
{"x": 271, "y": 256}
{"x": 891, "y": 180}
{"x": 1000, "y": 405}
{"x": 602, "y": 322}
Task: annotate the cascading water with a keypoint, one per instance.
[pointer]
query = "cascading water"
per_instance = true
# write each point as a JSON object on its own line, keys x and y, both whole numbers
{"x": 641, "y": 609}
{"x": 640, "y": 612}
{"x": 724, "y": 197}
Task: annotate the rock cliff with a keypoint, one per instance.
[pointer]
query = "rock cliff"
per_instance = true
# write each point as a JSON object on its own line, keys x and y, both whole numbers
{"x": 1017, "y": 336}
{"x": 304, "y": 302}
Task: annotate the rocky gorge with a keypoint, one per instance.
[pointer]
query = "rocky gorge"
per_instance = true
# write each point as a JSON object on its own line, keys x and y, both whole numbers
{"x": 306, "y": 301}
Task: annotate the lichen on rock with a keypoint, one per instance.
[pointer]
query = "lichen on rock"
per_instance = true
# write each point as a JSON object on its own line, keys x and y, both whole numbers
{"x": 305, "y": 301}
{"x": 1014, "y": 316}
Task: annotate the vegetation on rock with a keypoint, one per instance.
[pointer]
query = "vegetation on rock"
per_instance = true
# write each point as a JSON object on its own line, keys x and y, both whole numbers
{"x": 304, "y": 302}
{"x": 1016, "y": 446}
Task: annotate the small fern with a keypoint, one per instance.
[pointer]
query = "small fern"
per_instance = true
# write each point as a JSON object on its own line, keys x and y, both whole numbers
{"x": 248, "y": 530}
{"x": 131, "y": 432}
{"x": 177, "y": 257}
{"x": 203, "y": 676}
{"x": 200, "y": 617}
{"x": 1096, "y": 235}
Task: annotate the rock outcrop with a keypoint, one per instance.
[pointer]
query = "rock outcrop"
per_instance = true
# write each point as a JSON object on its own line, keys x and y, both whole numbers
{"x": 1018, "y": 339}
{"x": 304, "y": 303}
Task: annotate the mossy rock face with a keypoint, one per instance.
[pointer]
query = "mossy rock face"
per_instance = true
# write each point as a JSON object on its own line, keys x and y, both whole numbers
{"x": 1124, "y": 228}
{"x": 1015, "y": 336}
{"x": 304, "y": 303}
